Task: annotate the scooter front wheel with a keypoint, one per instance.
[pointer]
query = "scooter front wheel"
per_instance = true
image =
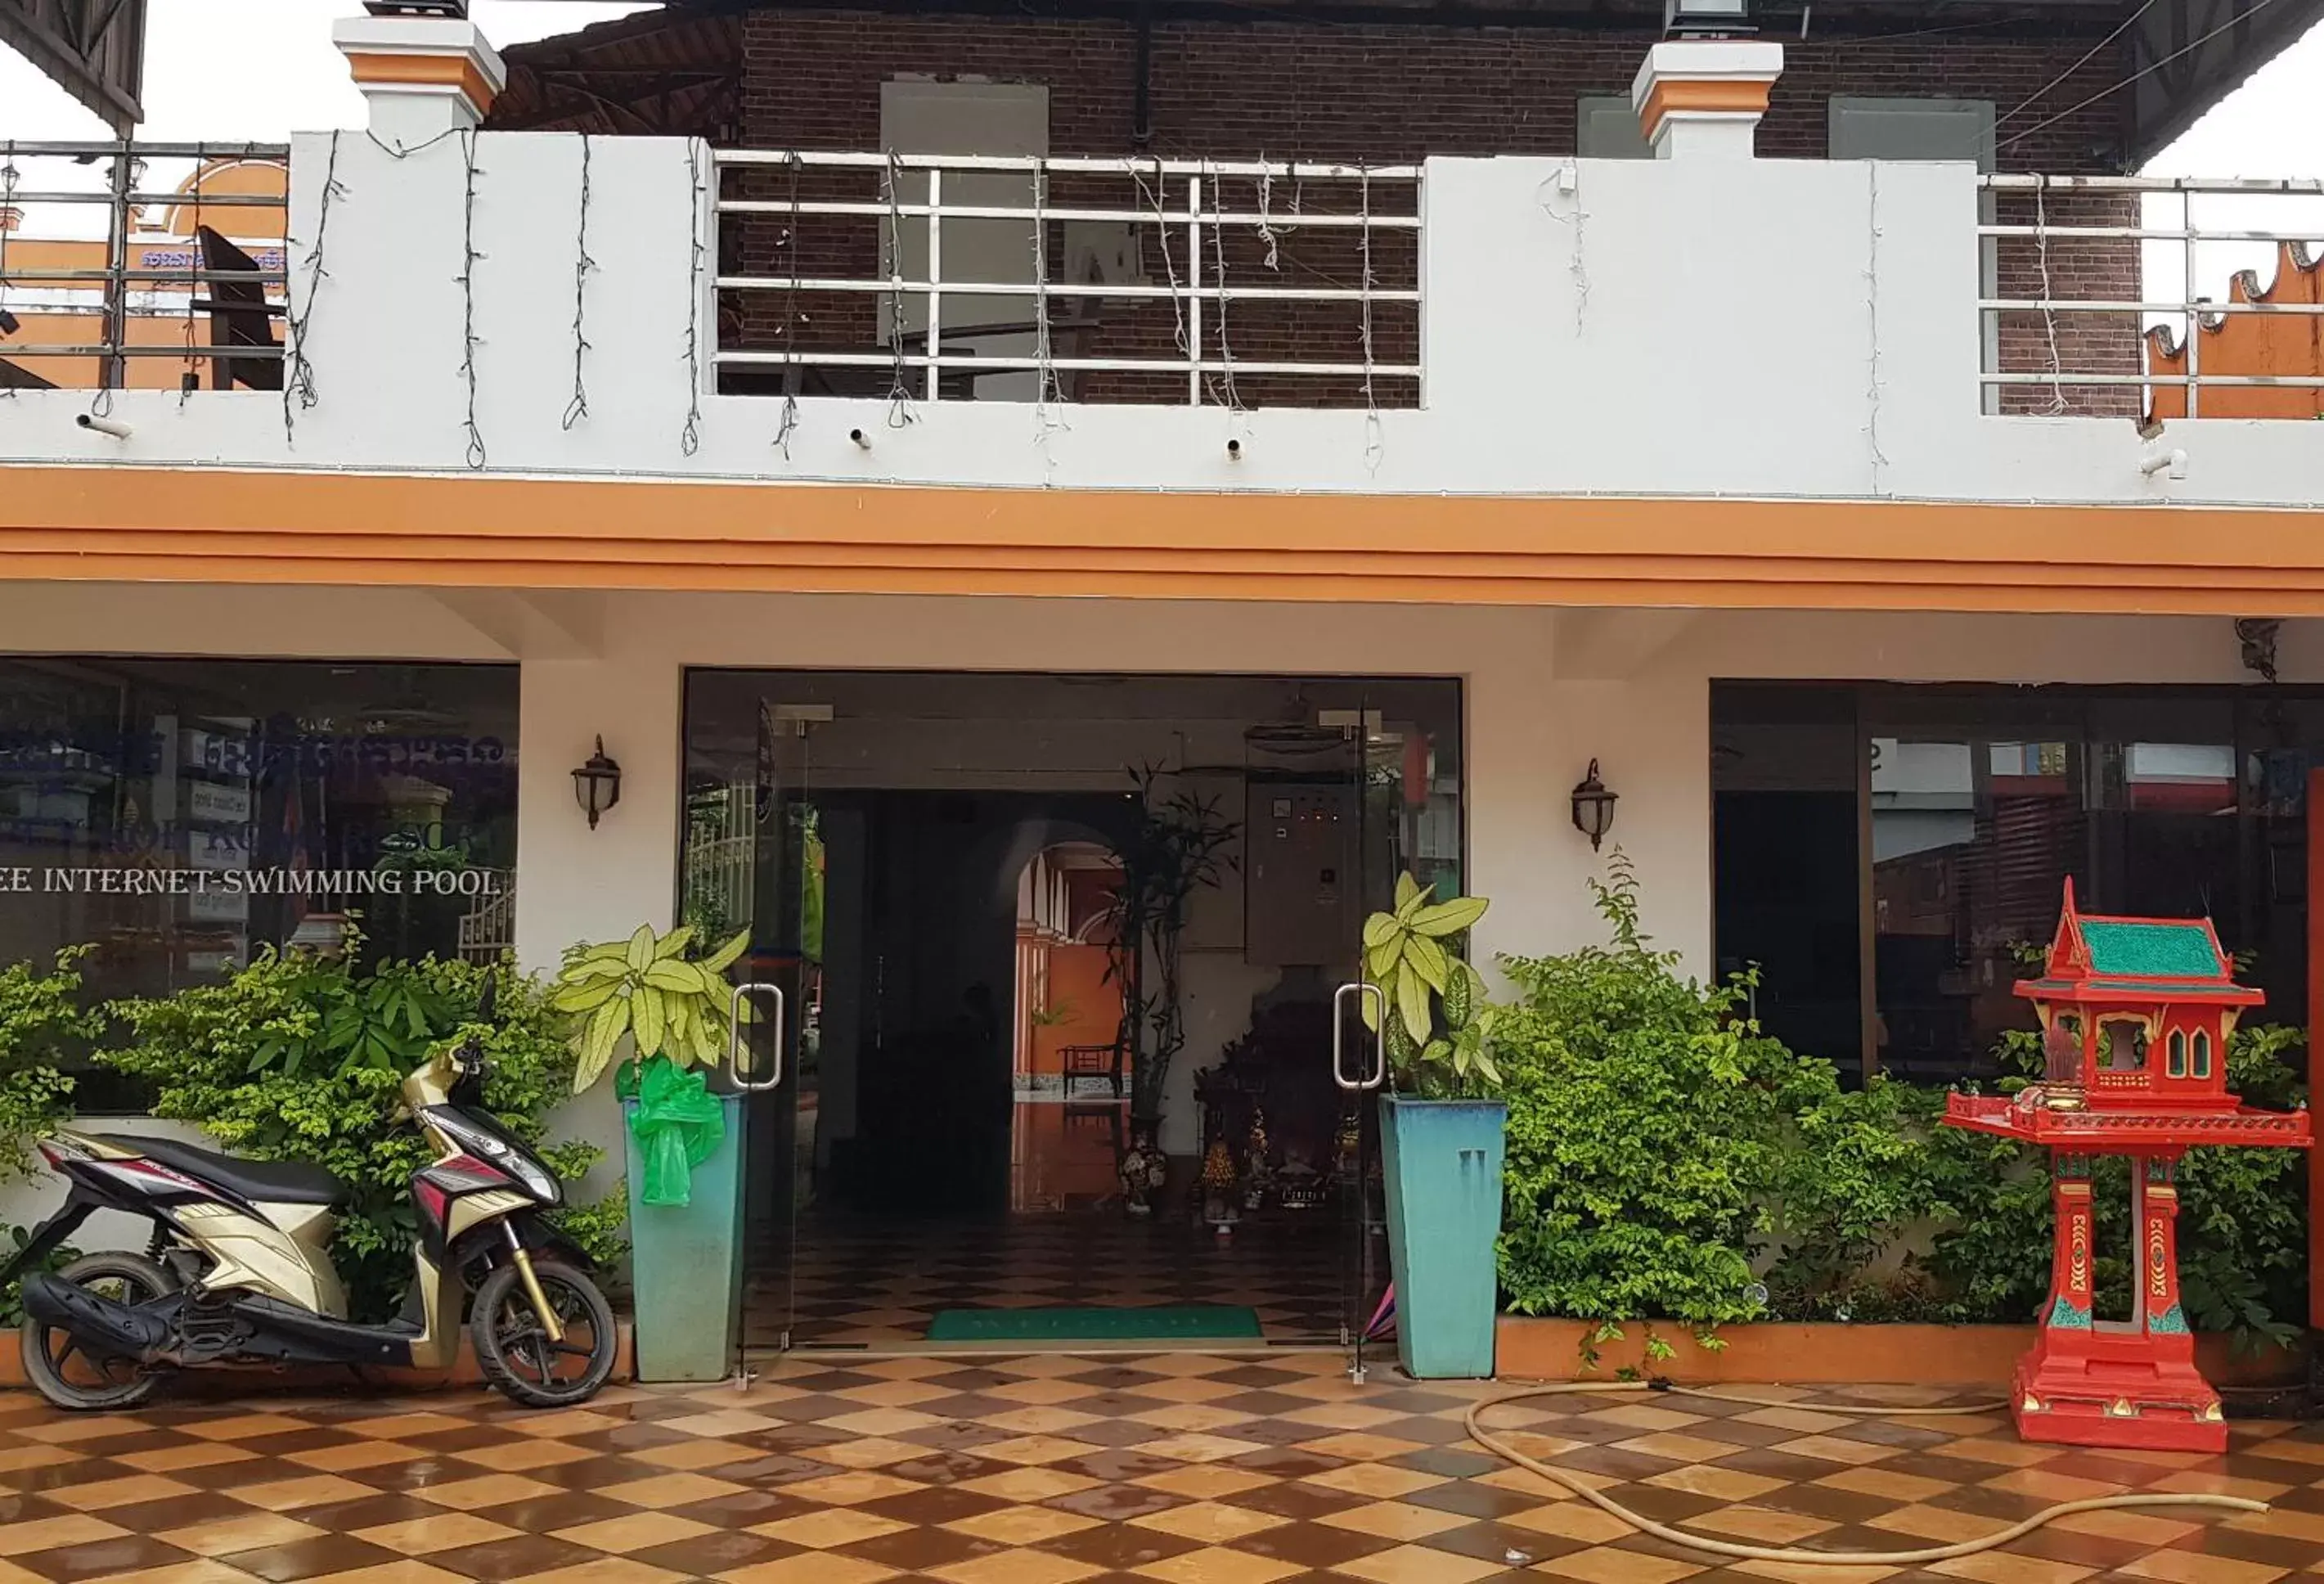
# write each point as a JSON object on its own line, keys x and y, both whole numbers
{"x": 517, "y": 1353}
{"x": 73, "y": 1375}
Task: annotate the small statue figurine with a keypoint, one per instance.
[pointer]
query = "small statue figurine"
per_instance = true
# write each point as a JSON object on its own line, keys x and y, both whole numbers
{"x": 1351, "y": 1144}
{"x": 1141, "y": 1172}
{"x": 1258, "y": 1176}
{"x": 1219, "y": 1204}
{"x": 2061, "y": 1064}
{"x": 1300, "y": 1187}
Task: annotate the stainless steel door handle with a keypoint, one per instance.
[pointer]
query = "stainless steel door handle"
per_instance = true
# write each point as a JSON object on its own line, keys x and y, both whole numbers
{"x": 734, "y": 1038}
{"x": 1361, "y": 989}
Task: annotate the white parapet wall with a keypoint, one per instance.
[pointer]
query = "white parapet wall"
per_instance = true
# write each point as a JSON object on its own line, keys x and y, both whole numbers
{"x": 1679, "y": 327}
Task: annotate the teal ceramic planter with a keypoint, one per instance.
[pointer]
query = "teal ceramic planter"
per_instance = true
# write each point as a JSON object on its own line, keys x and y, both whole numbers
{"x": 1442, "y": 1161}
{"x": 687, "y": 1263}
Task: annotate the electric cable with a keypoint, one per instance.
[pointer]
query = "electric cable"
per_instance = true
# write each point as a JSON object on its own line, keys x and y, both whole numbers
{"x": 1792, "y": 1555}
{"x": 2153, "y": 66}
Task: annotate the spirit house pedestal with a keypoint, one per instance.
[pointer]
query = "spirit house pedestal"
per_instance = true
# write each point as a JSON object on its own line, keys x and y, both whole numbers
{"x": 2135, "y": 1017}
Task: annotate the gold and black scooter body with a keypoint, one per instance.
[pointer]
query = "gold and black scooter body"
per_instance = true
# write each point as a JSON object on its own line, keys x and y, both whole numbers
{"x": 251, "y": 1242}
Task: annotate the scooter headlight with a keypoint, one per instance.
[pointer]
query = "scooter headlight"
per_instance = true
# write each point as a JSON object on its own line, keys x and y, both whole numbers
{"x": 539, "y": 1178}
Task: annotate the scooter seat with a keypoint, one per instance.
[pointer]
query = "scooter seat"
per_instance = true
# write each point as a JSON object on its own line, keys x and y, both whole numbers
{"x": 283, "y": 1182}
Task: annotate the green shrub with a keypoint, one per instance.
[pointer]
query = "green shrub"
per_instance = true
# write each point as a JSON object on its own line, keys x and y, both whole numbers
{"x": 1863, "y": 1166}
{"x": 1646, "y": 1134}
{"x": 298, "y": 1058}
{"x": 42, "y": 1021}
{"x": 2242, "y": 1213}
{"x": 1667, "y": 1160}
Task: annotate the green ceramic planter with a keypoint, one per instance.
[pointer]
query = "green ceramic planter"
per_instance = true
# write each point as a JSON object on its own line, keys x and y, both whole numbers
{"x": 1442, "y": 1160}
{"x": 687, "y": 1263}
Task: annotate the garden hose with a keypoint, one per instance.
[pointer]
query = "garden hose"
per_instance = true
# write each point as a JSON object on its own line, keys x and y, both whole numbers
{"x": 1791, "y": 1555}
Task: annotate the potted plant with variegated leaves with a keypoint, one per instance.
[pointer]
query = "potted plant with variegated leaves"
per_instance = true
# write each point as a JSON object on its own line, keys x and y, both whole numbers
{"x": 1442, "y": 1129}
{"x": 674, "y": 1012}
{"x": 673, "y": 1007}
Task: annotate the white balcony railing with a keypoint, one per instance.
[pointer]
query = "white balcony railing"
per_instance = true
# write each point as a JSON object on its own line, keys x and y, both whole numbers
{"x": 146, "y": 264}
{"x": 2134, "y": 294}
{"x": 635, "y": 307}
{"x": 1091, "y": 279}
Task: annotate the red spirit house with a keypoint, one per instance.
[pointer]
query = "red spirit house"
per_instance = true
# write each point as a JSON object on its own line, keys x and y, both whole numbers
{"x": 2136, "y": 1015}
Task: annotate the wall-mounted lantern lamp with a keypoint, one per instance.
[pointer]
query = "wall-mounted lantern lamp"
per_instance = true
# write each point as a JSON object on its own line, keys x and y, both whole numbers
{"x": 1593, "y": 807}
{"x": 597, "y": 784}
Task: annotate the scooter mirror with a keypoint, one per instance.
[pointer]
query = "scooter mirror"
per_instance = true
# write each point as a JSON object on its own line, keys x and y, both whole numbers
{"x": 486, "y": 1001}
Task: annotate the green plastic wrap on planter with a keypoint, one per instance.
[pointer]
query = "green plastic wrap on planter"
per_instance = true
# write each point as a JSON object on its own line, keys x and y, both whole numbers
{"x": 678, "y": 1124}
{"x": 688, "y": 1262}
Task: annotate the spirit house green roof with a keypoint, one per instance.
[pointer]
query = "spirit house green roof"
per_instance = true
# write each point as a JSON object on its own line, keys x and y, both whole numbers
{"x": 2096, "y": 957}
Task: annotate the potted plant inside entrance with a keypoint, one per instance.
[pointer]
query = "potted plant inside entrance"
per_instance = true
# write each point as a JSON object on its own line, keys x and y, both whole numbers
{"x": 672, "y": 1011}
{"x": 1441, "y": 1131}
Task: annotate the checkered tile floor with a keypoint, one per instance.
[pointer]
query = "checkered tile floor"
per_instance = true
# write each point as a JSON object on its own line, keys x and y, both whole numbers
{"x": 1174, "y": 1468}
{"x": 878, "y": 1283}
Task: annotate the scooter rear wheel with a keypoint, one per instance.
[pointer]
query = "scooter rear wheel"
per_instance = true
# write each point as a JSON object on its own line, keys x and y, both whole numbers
{"x": 515, "y": 1351}
{"x": 68, "y": 1374}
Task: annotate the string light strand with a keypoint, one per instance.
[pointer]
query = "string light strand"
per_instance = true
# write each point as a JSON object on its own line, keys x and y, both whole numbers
{"x": 2049, "y": 313}
{"x": 689, "y": 438}
{"x": 398, "y": 150}
{"x": 1872, "y": 319}
{"x": 899, "y": 387}
{"x": 187, "y": 376}
{"x": 1265, "y": 218}
{"x": 299, "y": 380}
{"x": 1226, "y": 386}
{"x": 1153, "y": 196}
{"x": 788, "y": 423}
{"x": 8, "y": 179}
{"x": 469, "y": 339}
{"x": 577, "y": 408}
{"x": 1375, "y": 438}
{"x": 1047, "y": 391}
{"x": 1577, "y": 265}
{"x": 116, "y": 366}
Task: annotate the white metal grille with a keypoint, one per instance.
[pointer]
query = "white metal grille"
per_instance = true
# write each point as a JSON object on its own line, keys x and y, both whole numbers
{"x": 2109, "y": 294}
{"x": 107, "y": 280}
{"x": 935, "y": 278}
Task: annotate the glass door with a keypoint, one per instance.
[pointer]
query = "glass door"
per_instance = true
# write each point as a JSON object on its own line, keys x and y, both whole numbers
{"x": 1396, "y": 822}
{"x": 1363, "y": 880}
{"x": 779, "y": 982}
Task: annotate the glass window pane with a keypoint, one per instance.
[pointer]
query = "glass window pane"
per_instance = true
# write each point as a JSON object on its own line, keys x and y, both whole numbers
{"x": 1784, "y": 771}
{"x": 1976, "y": 823}
{"x": 180, "y": 815}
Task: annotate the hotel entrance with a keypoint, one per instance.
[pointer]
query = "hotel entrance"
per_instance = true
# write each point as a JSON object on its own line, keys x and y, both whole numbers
{"x": 1058, "y": 1027}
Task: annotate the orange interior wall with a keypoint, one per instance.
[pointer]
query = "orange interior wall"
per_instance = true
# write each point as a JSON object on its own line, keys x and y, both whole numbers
{"x": 1077, "y": 980}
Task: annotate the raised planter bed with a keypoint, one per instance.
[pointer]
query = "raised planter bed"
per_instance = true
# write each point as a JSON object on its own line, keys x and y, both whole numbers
{"x": 213, "y": 1382}
{"x": 1529, "y": 1348}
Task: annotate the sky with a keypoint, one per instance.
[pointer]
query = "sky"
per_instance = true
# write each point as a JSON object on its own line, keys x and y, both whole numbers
{"x": 273, "y": 72}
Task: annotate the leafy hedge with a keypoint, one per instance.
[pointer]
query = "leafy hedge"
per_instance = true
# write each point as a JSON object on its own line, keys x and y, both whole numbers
{"x": 1668, "y": 1160}
{"x": 299, "y": 1058}
{"x": 42, "y": 1022}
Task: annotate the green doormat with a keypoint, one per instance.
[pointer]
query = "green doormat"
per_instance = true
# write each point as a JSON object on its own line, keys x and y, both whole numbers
{"x": 1169, "y": 1323}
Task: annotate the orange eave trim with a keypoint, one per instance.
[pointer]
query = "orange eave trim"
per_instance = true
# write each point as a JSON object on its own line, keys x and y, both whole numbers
{"x": 425, "y": 71}
{"x": 1722, "y": 96}
{"x": 213, "y": 525}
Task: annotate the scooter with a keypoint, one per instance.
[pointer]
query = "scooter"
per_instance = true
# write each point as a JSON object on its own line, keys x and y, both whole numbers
{"x": 239, "y": 1273}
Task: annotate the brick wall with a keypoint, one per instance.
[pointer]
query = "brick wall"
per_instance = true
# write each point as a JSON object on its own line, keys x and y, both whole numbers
{"x": 1354, "y": 94}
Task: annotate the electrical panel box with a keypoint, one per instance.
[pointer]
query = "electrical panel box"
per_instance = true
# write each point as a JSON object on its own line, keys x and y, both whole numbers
{"x": 1303, "y": 890}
